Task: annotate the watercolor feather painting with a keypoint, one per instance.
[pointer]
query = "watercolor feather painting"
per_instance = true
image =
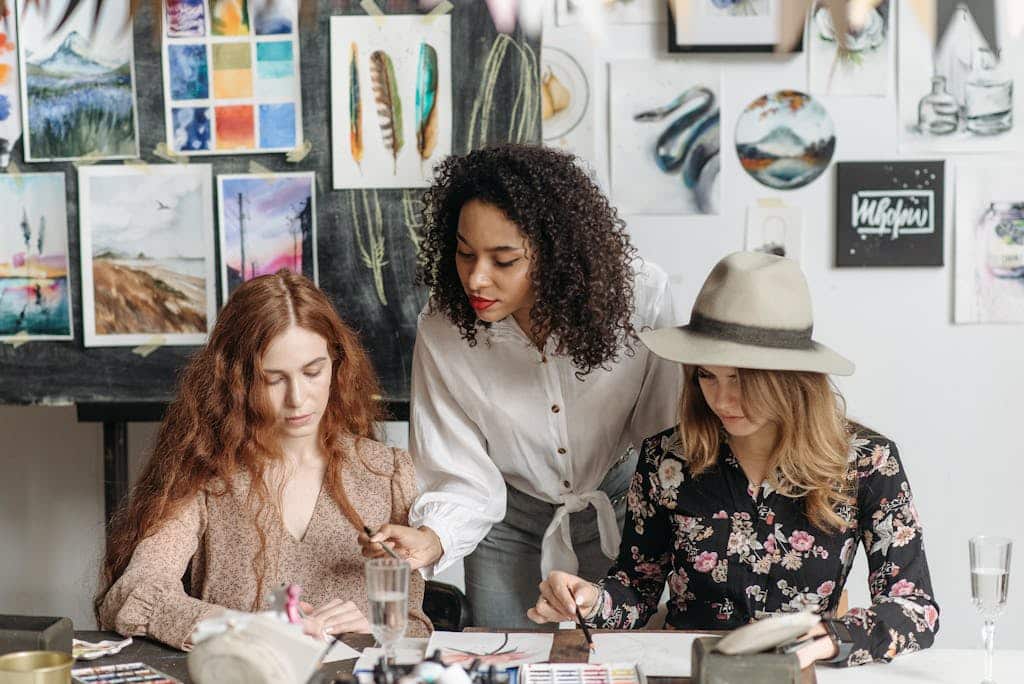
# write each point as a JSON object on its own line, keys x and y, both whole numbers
{"x": 391, "y": 100}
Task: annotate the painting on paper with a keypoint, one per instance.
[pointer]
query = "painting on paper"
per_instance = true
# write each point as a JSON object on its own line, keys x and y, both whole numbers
{"x": 727, "y": 26}
{"x": 567, "y": 94}
{"x": 10, "y": 92}
{"x": 957, "y": 69}
{"x": 861, "y": 66}
{"x": 78, "y": 85}
{"x": 231, "y": 77}
{"x": 391, "y": 100}
{"x": 889, "y": 213}
{"x": 267, "y": 222}
{"x": 785, "y": 139}
{"x": 665, "y": 136}
{"x": 569, "y": 12}
{"x": 775, "y": 229}
{"x": 989, "y": 280}
{"x": 148, "y": 274}
{"x": 35, "y": 300}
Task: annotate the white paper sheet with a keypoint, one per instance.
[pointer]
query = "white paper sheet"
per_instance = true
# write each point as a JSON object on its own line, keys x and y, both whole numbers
{"x": 341, "y": 651}
{"x": 408, "y": 651}
{"x": 492, "y": 648}
{"x": 659, "y": 654}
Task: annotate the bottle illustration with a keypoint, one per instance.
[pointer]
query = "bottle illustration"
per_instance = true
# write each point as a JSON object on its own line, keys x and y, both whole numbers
{"x": 937, "y": 112}
{"x": 988, "y": 96}
{"x": 1003, "y": 231}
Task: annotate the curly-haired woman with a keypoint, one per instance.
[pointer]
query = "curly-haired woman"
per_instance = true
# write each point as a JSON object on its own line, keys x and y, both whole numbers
{"x": 528, "y": 385}
{"x": 264, "y": 470}
{"x": 756, "y": 502}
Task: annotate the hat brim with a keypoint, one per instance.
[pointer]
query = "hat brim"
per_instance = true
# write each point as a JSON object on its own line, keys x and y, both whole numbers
{"x": 686, "y": 346}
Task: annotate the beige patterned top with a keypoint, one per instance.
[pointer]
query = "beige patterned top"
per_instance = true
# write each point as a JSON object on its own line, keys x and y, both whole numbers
{"x": 216, "y": 533}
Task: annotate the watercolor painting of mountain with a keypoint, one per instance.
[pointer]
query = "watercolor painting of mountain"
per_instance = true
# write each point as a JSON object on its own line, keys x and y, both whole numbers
{"x": 35, "y": 302}
{"x": 147, "y": 247}
{"x": 785, "y": 139}
{"x": 78, "y": 85}
{"x": 267, "y": 222}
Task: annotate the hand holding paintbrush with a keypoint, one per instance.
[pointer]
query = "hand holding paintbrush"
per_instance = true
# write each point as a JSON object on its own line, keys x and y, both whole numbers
{"x": 582, "y": 624}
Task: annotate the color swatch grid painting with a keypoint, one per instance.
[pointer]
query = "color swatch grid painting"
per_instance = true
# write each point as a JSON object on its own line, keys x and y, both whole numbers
{"x": 10, "y": 93}
{"x": 231, "y": 76}
{"x": 267, "y": 222}
{"x": 391, "y": 100}
{"x": 35, "y": 300}
{"x": 146, "y": 237}
{"x": 78, "y": 81}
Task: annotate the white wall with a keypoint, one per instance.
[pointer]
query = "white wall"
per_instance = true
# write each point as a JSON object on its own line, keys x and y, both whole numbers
{"x": 948, "y": 395}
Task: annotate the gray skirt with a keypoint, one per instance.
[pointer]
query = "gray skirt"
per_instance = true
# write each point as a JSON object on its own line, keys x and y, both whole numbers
{"x": 503, "y": 573}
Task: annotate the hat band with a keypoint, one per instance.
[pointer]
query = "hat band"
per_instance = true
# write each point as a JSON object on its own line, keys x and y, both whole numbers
{"x": 778, "y": 338}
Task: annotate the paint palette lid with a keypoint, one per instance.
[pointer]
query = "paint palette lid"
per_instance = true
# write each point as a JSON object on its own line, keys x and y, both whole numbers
{"x": 766, "y": 634}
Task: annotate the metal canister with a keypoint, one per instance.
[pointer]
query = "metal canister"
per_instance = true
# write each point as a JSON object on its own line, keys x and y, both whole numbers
{"x": 36, "y": 667}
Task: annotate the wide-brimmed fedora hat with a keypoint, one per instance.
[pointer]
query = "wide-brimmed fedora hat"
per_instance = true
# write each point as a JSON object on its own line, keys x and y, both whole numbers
{"x": 753, "y": 311}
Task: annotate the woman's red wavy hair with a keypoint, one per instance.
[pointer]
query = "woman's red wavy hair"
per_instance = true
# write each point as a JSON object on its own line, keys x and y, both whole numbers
{"x": 221, "y": 425}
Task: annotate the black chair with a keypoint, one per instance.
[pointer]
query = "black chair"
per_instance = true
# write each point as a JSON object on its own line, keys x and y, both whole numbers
{"x": 446, "y": 606}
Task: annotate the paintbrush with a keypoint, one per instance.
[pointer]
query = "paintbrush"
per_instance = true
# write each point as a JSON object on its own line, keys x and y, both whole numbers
{"x": 583, "y": 625}
{"x": 391, "y": 552}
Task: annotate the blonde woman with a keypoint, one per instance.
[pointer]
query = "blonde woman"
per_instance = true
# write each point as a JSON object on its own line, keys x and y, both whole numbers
{"x": 756, "y": 502}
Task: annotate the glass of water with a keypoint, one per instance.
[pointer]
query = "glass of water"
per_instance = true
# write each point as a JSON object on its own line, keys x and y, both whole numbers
{"x": 990, "y": 580}
{"x": 387, "y": 588}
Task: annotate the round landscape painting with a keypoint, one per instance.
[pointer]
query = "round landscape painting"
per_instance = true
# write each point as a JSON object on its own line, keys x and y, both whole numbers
{"x": 785, "y": 139}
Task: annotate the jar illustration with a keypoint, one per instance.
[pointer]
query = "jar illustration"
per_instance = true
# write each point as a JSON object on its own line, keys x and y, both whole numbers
{"x": 1003, "y": 236}
{"x": 938, "y": 112}
{"x": 988, "y": 96}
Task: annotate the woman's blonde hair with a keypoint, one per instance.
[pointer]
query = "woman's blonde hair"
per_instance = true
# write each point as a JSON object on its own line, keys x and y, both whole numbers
{"x": 810, "y": 457}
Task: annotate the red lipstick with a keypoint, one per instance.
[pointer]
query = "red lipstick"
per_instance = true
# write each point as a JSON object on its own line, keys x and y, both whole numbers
{"x": 479, "y": 303}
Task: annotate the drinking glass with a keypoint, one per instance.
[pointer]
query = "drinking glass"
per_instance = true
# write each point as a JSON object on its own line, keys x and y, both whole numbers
{"x": 387, "y": 589}
{"x": 990, "y": 579}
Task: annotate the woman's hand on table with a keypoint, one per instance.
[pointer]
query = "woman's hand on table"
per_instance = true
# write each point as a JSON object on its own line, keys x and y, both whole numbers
{"x": 333, "y": 618}
{"x": 822, "y": 648}
{"x": 560, "y": 593}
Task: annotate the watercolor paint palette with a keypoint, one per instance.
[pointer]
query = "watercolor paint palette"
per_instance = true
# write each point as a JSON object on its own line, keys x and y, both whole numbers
{"x": 121, "y": 674}
{"x": 231, "y": 76}
{"x": 580, "y": 673}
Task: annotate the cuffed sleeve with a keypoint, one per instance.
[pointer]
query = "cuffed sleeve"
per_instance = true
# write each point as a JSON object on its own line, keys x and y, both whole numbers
{"x": 903, "y": 616}
{"x": 463, "y": 490}
{"x": 149, "y": 599}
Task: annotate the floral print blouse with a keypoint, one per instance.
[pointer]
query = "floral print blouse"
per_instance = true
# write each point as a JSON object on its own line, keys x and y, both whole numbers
{"x": 732, "y": 553}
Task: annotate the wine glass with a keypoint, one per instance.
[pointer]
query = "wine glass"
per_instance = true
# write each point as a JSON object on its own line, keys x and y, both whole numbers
{"x": 990, "y": 580}
{"x": 387, "y": 589}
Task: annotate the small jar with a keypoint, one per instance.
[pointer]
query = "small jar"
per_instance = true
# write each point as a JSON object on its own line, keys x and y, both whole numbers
{"x": 938, "y": 112}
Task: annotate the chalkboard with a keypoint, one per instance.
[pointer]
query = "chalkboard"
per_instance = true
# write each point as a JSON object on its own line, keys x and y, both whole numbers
{"x": 65, "y": 372}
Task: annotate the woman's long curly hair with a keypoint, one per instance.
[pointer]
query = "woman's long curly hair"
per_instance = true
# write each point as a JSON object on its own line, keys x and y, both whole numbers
{"x": 810, "y": 457}
{"x": 581, "y": 257}
{"x": 221, "y": 424}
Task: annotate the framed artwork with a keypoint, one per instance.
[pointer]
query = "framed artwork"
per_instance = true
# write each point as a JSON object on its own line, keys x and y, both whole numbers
{"x": 861, "y": 67}
{"x": 266, "y": 222}
{"x": 989, "y": 274}
{"x": 231, "y": 76}
{"x": 889, "y": 213}
{"x": 391, "y": 100}
{"x": 785, "y": 139}
{"x": 665, "y": 136}
{"x": 78, "y": 84}
{"x": 726, "y": 26}
{"x": 35, "y": 299}
{"x": 958, "y": 64}
{"x": 10, "y": 91}
{"x": 146, "y": 240}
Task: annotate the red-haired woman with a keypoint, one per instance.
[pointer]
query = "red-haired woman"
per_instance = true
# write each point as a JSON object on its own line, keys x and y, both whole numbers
{"x": 264, "y": 471}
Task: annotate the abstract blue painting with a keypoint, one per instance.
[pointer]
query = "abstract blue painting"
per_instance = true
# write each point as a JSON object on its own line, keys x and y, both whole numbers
{"x": 272, "y": 17}
{"x": 189, "y": 73}
{"x": 191, "y": 128}
{"x": 277, "y": 126}
{"x": 275, "y": 70}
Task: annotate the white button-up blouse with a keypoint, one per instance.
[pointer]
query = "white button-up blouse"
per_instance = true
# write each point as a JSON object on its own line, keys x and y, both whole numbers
{"x": 503, "y": 411}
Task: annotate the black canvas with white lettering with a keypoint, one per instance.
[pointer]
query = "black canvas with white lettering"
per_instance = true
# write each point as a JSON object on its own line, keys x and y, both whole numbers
{"x": 889, "y": 213}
